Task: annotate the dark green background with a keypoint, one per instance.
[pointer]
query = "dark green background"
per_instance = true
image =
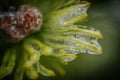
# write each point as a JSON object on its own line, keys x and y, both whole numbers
{"x": 105, "y": 16}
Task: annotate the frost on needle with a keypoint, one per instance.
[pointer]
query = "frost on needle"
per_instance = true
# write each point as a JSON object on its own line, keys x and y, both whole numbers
{"x": 60, "y": 39}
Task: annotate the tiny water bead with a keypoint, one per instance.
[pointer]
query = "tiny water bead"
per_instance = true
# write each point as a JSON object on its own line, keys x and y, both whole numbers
{"x": 61, "y": 38}
{"x": 18, "y": 24}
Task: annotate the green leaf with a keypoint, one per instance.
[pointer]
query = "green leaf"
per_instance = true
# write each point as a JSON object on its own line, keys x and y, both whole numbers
{"x": 67, "y": 57}
{"x": 35, "y": 49}
{"x": 67, "y": 16}
{"x": 8, "y": 63}
{"x": 19, "y": 71}
{"x": 44, "y": 71}
{"x": 32, "y": 73}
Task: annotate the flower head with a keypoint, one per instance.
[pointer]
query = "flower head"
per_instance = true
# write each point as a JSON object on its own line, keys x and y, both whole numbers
{"x": 17, "y": 25}
{"x": 61, "y": 37}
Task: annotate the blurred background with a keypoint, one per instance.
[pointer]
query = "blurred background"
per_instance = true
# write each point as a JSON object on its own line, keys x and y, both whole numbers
{"x": 105, "y": 16}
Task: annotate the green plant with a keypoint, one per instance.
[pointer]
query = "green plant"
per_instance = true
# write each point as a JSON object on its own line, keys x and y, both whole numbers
{"x": 62, "y": 36}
